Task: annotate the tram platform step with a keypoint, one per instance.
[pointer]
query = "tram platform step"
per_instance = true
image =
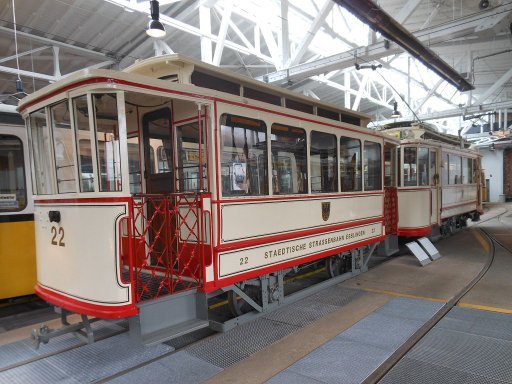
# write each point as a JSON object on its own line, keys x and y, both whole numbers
{"x": 169, "y": 317}
{"x": 174, "y": 331}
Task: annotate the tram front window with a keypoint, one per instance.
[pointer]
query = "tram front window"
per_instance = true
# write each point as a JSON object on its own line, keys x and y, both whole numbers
{"x": 107, "y": 141}
{"x": 13, "y": 192}
{"x": 41, "y": 152}
{"x": 83, "y": 137}
{"x": 63, "y": 147}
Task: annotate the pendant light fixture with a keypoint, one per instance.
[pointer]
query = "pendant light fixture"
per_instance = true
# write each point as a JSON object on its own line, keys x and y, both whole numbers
{"x": 396, "y": 113}
{"x": 155, "y": 27}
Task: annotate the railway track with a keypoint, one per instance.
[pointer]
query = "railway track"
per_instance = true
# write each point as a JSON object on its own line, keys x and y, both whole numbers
{"x": 495, "y": 247}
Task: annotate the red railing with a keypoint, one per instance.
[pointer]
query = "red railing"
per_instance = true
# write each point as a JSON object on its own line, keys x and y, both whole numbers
{"x": 391, "y": 210}
{"x": 163, "y": 248}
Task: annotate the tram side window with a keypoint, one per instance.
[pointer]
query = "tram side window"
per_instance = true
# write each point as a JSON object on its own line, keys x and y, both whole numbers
{"x": 372, "y": 166}
{"x": 63, "y": 147}
{"x": 41, "y": 152}
{"x": 243, "y": 156}
{"x": 434, "y": 177}
{"x": 323, "y": 158}
{"x": 455, "y": 169}
{"x": 289, "y": 160}
{"x": 445, "y": 169}
{"x": 83, "y": 139}
{"x": 410, "y": 170}
{"x": 467, "y": 170}
{"x": 188, "y": 158}
{"x": 389, "y": 165}
{"x": 13, "y": 190}
{"x": 423, "y": 169}
{"x": 350, "y": 164}
{"x": 107, "y": 141}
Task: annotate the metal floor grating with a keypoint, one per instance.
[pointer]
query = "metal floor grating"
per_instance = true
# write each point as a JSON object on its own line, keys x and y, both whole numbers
{"x": 86, "y": 364}
{"x": 355, "y": 353}
{"x": 23, "y": 350}
{"x": 229, "y": 348}
{"x": 467, "y": 346}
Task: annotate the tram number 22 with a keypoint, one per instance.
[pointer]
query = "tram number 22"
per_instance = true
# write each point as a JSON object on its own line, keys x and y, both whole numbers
{"x": 58, "y": 236}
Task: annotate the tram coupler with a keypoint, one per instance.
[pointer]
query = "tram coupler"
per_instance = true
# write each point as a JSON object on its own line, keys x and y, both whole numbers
{"x": 82, "y": 330}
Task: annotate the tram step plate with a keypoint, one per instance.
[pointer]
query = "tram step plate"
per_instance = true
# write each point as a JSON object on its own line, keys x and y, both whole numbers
{"x": 174, "y": 331}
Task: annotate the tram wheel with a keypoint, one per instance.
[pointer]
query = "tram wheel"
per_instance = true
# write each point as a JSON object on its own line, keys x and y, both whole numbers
{"x": 238, "y": 306}
{"x": 338, "y": 264}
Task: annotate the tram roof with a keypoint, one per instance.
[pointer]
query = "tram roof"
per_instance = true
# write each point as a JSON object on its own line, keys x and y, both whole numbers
{"x": 179, "y": 69}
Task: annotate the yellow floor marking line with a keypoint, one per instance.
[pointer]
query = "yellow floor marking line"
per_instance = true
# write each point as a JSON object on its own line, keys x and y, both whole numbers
{"x": 404, "y": 295}
{"x": 483, "y": 242}
{"x": 485, "y": 308}
{"x": 290, "y": 280}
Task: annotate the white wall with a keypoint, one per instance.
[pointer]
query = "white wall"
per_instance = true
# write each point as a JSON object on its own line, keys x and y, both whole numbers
{"x": 492, "y": 163}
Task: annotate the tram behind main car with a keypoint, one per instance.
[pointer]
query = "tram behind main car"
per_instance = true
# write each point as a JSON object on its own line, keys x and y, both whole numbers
{"x": 17, "y": 248}
{"x": 440, "y": 183}
{"x": 169, "y": 183}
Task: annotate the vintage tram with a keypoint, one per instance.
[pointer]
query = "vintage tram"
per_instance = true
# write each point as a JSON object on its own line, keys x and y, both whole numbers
{"x": 439, "y": 185}
{"x": 172, "y": 181}
{"x": 17, "y": 248}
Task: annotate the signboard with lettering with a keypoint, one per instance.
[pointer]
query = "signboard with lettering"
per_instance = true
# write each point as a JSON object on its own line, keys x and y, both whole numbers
{"x": 236, "y": 262}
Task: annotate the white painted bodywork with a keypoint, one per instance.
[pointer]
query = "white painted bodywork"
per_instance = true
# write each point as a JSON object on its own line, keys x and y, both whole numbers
{"x": 86, "y": 267}
{"x": 458, "y": 199}
{"x": 241, "y": 221}
{"x": 414, "y": 209}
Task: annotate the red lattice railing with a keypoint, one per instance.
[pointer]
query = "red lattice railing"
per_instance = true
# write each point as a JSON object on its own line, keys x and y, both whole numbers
{"x": 163, "y": 247}
{"x": 391, "y": 210}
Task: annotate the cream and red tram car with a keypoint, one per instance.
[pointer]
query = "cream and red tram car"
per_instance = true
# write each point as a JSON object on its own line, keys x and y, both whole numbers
{"x": 439, "y": 185}
{"x": 173, "y": 179}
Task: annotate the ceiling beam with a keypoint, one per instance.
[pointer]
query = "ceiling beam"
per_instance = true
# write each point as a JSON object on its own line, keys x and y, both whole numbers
{"x": 458, "y": 28}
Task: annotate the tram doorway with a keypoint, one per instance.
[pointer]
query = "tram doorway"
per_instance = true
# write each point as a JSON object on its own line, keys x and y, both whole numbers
{"x": 158, "y": 156}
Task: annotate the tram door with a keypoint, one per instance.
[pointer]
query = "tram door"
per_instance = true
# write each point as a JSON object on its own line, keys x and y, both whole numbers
{"x": 159, "y": 182}
{"x": 435, "y": 190}
{"x": 157, "y": 140}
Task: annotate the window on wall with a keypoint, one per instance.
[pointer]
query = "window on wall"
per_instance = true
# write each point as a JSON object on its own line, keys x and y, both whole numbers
{"x": 83, "y": 139}
{"x": 434, "y": 176}
{"x": 372, "y": 166}
{"x": 289, "y": 160}
{"x": 188, "y": 174}
{"x": 467, "y": 170}
{"x": 389, "y": 165}
{"x": 41, "y": 152}
{"x": 63, "y": 147}
{"x": 350, "y": 164}
{"x": 323, "y": 160}
{"x": 455, "y": 166}
{"x": 423, "y": 169}
{"x": 243, "y": 156}
{"x": 13, "y": 191}
{"x": 445, "y": 169}
{"x": 410, "y": 166}
{"x": 107, "y": 141}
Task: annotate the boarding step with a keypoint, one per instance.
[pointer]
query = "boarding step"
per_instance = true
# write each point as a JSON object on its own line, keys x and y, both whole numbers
{"x": 169, "y": 317}
{"x": 424, "y": 250}
{"x": 389, "y": 246}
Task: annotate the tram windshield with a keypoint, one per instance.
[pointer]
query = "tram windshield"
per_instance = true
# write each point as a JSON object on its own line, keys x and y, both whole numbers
{"x": 13, "y": 192}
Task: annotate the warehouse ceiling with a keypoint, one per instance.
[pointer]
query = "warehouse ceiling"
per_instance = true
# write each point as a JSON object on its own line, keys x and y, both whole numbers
{"x": 308, "y": 46}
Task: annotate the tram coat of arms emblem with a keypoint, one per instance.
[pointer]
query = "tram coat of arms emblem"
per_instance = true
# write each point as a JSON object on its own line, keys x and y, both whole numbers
{"x": 326, "y": 210}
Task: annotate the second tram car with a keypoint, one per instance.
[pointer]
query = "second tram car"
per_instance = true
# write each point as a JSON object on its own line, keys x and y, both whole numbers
{"x": 17, "y": 248}
{"x": 439, "y": 185}
{"x": 165, "y": 184}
